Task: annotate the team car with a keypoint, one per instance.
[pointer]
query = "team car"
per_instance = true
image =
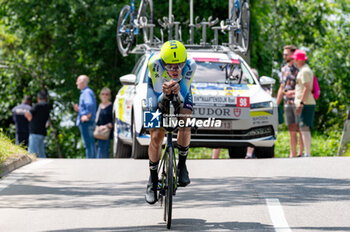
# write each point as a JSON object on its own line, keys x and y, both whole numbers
{"x": 224, "y": 88}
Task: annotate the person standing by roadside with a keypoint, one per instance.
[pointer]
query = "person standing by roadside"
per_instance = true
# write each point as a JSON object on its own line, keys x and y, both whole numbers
{"x": 286, "y": 91}
{"x": 86, "y": 115}
{"x": 104, "y": 120}
{"x": 21, "y": 122}
{"x": 304, "y": 99}
{"x": 38, "y": 117}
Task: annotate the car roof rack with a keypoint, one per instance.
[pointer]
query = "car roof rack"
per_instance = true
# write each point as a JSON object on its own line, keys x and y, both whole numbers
{"x": 145, "y": 48}
{"x": 174, "y": 31}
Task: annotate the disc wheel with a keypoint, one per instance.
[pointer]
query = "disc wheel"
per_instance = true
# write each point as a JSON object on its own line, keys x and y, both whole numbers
{"x": 245, "y": 26}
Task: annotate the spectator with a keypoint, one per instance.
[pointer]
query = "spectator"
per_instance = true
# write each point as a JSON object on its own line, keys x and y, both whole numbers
{"x": 38, "y": 117}
{"x": 288, "y": 81}
{"x": 304, "y": 99}
{"x": 21, "y": 122}
{"x": 104, "y": 119}
{"x": 86, "y": 115}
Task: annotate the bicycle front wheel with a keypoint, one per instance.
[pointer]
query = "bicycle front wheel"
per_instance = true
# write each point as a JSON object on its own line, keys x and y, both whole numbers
{"x": 170, "y": 187}
{"x": 125, "y": 30}
{"x": 245, "y": 26}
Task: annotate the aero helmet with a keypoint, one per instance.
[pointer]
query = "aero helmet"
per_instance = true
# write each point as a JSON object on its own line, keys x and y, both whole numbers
{"x": 173, "y": 52}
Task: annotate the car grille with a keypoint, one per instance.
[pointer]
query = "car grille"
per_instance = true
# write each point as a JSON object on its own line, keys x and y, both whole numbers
{"x": 253, "y": 133}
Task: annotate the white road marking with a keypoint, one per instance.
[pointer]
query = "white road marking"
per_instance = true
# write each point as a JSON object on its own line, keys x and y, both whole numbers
{"x": 13, "y": 177}
{"x": 277, "y": 215}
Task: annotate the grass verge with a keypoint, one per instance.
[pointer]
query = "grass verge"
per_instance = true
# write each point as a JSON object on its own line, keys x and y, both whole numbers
{"x": 322, "y": 145}
{"x": 8, "y": 149}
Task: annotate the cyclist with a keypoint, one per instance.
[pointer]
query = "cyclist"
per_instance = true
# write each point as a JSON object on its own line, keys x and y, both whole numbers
{"x": 171, "y": 73}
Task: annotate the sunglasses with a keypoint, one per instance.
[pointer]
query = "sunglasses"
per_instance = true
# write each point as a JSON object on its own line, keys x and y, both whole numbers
{"x": 174, "y": 67}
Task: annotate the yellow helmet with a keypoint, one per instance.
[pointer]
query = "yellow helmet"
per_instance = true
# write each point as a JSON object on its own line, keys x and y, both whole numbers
{"x": 173, "y": 52}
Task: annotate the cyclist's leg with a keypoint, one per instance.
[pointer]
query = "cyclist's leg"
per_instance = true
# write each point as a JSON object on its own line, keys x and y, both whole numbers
{"x": 183, "y": 141}
{"x": 184, "y": 136}
{"x": 155, "y": 147}
{"x": 154, "y": 151}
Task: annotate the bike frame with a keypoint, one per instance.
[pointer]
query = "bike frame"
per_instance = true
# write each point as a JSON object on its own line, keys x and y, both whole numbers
{"x": 169, "y": 145}
{"x": 235, "y": 9}
{"x": 135, "y": 29}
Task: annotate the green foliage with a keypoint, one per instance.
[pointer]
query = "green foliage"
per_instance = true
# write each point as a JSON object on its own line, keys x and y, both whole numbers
{"x": 205, "y": 153}
{"x": 8, "y": 148}
{"x": 47, "y": 44}
{"x": 320, "y": 27}
{"x": 322, "y": 145}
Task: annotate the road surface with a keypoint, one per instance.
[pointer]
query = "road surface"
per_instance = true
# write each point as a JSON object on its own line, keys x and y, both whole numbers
{"x": 303, "y": 194}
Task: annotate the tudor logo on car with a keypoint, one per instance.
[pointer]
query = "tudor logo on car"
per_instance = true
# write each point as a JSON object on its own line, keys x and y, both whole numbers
{"x": 220, "y": 112}
{"x": 237, "y": 112}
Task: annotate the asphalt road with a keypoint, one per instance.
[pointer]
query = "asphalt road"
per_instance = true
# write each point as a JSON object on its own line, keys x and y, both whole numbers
{"x": 304, "y": 194}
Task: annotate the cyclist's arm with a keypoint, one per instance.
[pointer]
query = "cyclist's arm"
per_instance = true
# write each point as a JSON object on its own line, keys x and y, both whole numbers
{"x": 185, "y": 83}
{"x": 155, "y": 80}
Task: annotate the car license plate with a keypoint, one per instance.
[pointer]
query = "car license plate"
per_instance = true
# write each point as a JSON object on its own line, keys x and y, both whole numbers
{"x": 225, "y": 125}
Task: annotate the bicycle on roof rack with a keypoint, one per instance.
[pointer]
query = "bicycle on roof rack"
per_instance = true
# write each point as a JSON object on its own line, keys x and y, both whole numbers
{"x": 239, "y": 24}
{"x": 130, "y": 23}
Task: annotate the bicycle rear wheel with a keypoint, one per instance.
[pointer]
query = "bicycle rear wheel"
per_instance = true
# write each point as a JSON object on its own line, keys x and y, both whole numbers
{"x": 245, "y": 26}
{"x": 170, "y": 187}
{"x": 235, "y": 19}
{"x": 147, "y": 12}
{"x": 125, "y": 30}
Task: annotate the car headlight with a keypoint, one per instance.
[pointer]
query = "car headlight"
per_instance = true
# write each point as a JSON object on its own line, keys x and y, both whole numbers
{"x": 261, "y": 105}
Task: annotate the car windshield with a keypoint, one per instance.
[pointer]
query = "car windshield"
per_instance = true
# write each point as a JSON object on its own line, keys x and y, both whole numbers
{"x": 229, "y": 73}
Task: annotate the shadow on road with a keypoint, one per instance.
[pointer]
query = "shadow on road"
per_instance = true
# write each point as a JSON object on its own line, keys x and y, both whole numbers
{"x": 203, "y": 225}
{"x": 184, "y": 225}
{"x": 203, "y": 192}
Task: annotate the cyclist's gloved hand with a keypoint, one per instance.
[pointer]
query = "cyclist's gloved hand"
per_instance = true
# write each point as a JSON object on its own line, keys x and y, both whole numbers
{"x": 164, "y": 105}
{"x": 177, "y": 104}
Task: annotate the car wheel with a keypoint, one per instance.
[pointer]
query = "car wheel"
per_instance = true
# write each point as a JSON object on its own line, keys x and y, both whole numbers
{"x": 137, "y": 151}
{"x": 265, "y": 152}
{"x": 237, "y": 152}
{"x": 120, "y": 149}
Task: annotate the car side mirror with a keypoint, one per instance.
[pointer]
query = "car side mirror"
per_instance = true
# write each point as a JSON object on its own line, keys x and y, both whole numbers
{"x": 129, "y": 79}
{"x": 264, "y": 80}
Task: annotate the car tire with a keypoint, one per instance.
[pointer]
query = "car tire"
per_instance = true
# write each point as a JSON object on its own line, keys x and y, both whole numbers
{"x": 137, "y": 150}
{"x": 120, "y": 149}
{"x": 237, "y": 152}
{"x": 265, "y": 152}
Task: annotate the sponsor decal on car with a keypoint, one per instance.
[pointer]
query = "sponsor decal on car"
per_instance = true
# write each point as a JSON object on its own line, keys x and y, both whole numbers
{"x": 203, "y": 99}
{"x": 237, "y": 112}
{"x": 243, "y": 102}
{"x": 220, "y": 112}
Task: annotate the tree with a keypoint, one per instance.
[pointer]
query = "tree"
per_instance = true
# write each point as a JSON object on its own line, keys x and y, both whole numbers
{"x": 53, "y": 42}
{"x": 322, "y": 29}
